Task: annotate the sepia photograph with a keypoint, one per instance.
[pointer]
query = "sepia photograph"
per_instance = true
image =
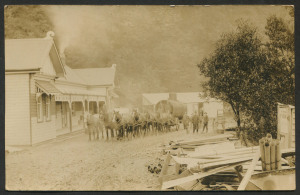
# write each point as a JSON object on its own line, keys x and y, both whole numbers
{"x": 149, "y": 97}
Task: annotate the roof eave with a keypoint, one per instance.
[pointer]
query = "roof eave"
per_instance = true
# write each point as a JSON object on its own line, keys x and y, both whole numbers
{"x": 106, "y": 85}
{"x": 33, "y": 70}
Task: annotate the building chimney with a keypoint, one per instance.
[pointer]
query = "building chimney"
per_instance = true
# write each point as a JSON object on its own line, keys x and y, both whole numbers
{"x": 173, "y": 96}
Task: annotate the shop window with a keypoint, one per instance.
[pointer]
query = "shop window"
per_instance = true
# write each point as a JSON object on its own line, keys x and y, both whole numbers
{"x": 48, "y": 106}
{"x": 40, "y": 109}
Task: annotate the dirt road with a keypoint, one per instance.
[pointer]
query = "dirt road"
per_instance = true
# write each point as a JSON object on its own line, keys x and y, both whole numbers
{"x": 77, "y": 164}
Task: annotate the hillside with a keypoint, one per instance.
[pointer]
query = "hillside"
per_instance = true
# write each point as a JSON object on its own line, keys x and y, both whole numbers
{"x": 156, "y": 48}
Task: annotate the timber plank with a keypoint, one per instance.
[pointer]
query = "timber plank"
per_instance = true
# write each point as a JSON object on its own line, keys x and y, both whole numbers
{"x": 180, "y": 181}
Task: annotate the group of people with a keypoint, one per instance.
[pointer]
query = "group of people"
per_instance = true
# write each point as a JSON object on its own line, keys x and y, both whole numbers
{"x": 196, "y": 121}
{"x": 94, "y": 124}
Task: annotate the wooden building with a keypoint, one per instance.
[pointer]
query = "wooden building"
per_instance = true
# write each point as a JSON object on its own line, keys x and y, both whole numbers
{"x": 193, "y": 101}
{"x": 45, "y": 98}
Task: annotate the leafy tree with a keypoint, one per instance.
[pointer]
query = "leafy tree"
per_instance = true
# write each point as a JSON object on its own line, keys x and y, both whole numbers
{"x": 281, "y": 57}
{"x": 237, "y": 55}
{"x": 275, "y": 82}
{"x": 253, "y": 76}
{"x": 25, "y": 22}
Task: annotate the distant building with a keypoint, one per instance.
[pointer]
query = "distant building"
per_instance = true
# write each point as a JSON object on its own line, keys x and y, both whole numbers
{"x": 193, "y": 100}
{"x": 45, "y": 98}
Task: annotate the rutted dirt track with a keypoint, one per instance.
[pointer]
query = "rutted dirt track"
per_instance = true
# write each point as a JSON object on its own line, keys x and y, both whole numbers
{"x": 77, "y": 164}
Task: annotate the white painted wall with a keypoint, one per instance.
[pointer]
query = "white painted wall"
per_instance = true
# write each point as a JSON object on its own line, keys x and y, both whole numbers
{"x": 191, "y": 108}
{"x": 212, "y": 107}
{"x": 46, "y": 130}
{"x": 17, "y": 117}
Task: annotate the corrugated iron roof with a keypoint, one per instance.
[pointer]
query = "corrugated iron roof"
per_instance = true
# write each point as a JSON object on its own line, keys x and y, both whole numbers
{"x": 47, "y": 87}
{"x": 71, "y": 76}
{"x": 187, "y": 97}
{"x": 97, "y": 76}
{"x": 26, "y": 54}
{"x": 154, "y": 98}
{"x": 30, "y": 54}
{"x": 76, "y": 91}
{"x": 190, "y": 97}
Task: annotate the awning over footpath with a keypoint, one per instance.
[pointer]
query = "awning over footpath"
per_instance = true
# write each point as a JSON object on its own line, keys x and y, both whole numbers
{"x": 47, "y": 87}
{"x": 73, "y": 91}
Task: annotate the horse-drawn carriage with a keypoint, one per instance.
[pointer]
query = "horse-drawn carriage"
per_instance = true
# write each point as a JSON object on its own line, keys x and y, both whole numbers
{"x": 128, "y": 125}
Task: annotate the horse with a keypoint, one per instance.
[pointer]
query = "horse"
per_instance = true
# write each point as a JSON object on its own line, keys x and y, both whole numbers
{"x": 92, "y": 125}
{"x": 109, "y": 124}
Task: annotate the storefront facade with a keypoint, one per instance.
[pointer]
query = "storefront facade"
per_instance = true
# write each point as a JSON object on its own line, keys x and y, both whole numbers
{"x": 45, "y": 98}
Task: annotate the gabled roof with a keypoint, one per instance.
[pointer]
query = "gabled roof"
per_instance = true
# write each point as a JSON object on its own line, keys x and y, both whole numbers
{"x": 47, "y": 87}
{"x": 154, "y": 98}
{"x": 32, "y": 54}
{"x": 190, "y": 97}
{"x": 77, "y": 91}
{"x": 187, "y": 97}
{"x": 26, "y": 54}
{"x": 89, "y": 76}
{"x": 97, "y": 76}
{"x": 71, "y": 76}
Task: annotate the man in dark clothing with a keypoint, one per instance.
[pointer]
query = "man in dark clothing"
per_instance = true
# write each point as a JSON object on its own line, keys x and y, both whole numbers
{"x": 205, "y": 122}
{"x": 195, "y": 121}
{"x": 185, "y": 121}
{"x": 91, "y": 124}
{"x": 118, "y": 118}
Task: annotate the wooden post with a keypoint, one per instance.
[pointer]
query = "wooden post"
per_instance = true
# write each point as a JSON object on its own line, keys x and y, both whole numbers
{"x": 278, "y": 155}
{"x": 97, "y": 107}
{"x": 83, "y": 112}
{"x": 267, "y": 156}
{"x": 262, "y": 153}
{"x": 273, "y": 154}
{"x": 70, "y": 109}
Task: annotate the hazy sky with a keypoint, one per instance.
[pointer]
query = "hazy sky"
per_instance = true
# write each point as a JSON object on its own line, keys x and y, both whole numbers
{"x": 149, "y": 39}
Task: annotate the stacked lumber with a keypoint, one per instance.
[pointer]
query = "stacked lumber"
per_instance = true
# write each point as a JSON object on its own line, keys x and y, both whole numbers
{"x": 194, "y": 143}
{"x": 214, "y": 157}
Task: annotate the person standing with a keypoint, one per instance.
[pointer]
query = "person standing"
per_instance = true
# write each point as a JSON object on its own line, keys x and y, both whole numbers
{"x": 185, "y": 121}
{"x": 91, "y": 126}
{"x": 205, "y": 122}
{"x": 101, "y": 123}
{"x": 200, "y": 120}
{"x": 195, "y": 121}
{"x": 85, "y": 118}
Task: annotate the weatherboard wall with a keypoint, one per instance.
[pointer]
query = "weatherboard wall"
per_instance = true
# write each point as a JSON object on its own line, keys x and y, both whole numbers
{"x": 17, "y": 118}
{"x": 45, "y": 130}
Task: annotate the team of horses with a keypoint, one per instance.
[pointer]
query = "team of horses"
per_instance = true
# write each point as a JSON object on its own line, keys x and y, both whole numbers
{"x": 128, "y": 126}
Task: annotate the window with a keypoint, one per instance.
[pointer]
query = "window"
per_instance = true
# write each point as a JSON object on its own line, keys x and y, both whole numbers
{"x": 48, "y": 111}
{"x": 40, "y": 109}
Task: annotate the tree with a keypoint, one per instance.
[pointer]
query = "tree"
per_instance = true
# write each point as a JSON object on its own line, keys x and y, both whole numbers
{"x": 251, "y": 75}
{"x": 275, "y": 82}
{"x": 230, "y": 67}
{"x": 25, "y": 22}
{"x": 281, "y": 57}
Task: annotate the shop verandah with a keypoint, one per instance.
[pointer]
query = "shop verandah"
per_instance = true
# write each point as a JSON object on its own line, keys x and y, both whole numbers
{"x": 70, "y": 111}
